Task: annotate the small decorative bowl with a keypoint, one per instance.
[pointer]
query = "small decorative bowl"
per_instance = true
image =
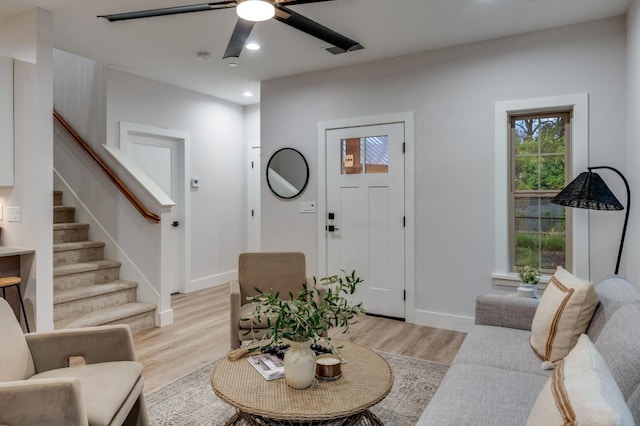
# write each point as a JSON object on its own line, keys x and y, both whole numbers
{"x": 328, "y": 367}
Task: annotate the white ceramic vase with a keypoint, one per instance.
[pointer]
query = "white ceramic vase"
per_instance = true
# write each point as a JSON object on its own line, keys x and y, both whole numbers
{"x": 528, "y": 290}
{"x": 299, "y": 365}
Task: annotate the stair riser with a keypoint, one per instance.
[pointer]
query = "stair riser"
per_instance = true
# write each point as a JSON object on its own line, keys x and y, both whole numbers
{"x": 57, "y": 198}
{"x": 140, "y": 322}
{"x": 63, "y": 216}
{"x": 68, "y": 257}
{"x": 100, "y": 276}
{"x": 136, "y": 323}
{"x": 70, "y": 235}
{"x": 76, "y": 308}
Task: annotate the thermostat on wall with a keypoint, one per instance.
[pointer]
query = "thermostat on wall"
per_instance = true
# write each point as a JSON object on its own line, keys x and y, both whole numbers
{"x": 195, "y": 182}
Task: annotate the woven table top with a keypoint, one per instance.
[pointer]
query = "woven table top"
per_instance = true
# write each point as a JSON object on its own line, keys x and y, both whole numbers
{"x": 366, "y": 379}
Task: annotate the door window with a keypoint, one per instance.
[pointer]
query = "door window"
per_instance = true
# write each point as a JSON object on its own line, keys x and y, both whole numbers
{"x": 367, "y": 155}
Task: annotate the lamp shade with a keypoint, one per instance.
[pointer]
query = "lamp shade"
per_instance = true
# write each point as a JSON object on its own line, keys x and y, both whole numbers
{"x": 255, "y": 10}
{"x": 588, "y": 191}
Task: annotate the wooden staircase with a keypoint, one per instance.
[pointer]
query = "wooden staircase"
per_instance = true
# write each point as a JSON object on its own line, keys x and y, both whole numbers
{"x": 87, "y": 290}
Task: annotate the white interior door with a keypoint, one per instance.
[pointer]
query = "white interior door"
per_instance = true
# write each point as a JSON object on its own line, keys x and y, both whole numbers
{"x": 365, "y": 206}
{"x": 160, "y": 159}
{"x": 253, "y": 199}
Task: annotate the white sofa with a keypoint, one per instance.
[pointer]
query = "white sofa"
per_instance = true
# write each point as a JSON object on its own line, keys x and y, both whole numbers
{"x": 496, "y": 377}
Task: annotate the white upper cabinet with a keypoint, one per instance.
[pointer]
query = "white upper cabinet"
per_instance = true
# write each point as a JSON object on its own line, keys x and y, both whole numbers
{"x": 6, "y": 121}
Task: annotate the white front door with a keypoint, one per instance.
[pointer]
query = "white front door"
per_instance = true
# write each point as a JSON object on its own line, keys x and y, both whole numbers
{"x": 365, "y": 207}
{"x": 160, "y": 159}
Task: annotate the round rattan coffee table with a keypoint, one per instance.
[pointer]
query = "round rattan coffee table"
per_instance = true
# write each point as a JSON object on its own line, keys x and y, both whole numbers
{"x": 366, "y": 379}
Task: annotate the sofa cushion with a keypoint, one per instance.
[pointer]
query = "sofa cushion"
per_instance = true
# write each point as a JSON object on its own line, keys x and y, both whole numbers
{"x": 613, "y": 293}
{"x": 564, "y": 312}
{"x": 104, "y": 386}
{"x": 476, "y": 395}
{"x": 619, "y": 345}
{"x": 500, "y": 347}
{"x": 248, "y": 321}
{"x": 581, "y": 391}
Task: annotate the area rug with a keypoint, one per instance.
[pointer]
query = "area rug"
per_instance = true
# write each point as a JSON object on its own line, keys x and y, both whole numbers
{"x": 190, "y": 400}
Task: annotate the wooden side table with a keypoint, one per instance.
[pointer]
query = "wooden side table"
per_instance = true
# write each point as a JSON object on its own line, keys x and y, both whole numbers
{"x": 366, "y": 380}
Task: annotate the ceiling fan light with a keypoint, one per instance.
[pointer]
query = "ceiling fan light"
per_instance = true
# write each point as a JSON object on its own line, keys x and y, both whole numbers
{"x": 255, "y": 10}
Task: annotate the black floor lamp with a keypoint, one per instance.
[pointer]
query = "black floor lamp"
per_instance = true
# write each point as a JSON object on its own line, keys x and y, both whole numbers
{"x": 588, "y": 191}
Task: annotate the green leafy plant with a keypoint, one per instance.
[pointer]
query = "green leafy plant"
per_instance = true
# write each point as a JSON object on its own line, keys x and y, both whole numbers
{"x": 308, "y": 315}
{"x": 528, "y": 274}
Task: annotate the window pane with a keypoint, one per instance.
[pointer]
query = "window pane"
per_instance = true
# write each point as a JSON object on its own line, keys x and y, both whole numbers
{"x": 377, "y": 154}
{"x": 526, "y": 173}
{"x": 552, "y": 251}
{"x": 552, "y": 135}
{"x": 527, "y": 212}
{"x": 552, "y": 172}
{"x": 527, "y": 249}
{"x": 552, "y": 217}
{"x": 351, "y": 156}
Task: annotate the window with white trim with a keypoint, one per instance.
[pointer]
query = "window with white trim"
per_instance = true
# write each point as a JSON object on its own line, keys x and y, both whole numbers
{"x": 540, "y": 151}
{"x": 576, "y": 161}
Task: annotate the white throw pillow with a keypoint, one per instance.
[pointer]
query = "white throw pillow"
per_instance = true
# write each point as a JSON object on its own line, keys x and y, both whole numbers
{"x": 564, "y": 312}
{"x": 582, "y": 392}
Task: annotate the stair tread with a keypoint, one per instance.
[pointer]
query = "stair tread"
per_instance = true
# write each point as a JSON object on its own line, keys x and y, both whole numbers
{"x": 77, "y": 245}
{"x": 93, "y": 290}
{"x": 74, "y": 268}
{"x": 64, "y": 208}
{"x": 105, "y": 316}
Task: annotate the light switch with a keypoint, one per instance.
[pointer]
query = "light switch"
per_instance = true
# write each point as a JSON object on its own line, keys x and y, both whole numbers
{"x": 14, "y": 214}
{"x": 307, "y": 206}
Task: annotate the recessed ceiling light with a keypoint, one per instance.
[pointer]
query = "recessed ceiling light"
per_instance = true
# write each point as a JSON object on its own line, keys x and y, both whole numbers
{"x": 248, "y": 94}
{"x": 253, "y": 46}
{"x": 233, "y": 64}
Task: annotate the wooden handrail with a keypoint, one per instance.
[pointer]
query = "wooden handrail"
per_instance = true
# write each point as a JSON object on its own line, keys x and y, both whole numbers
{"x": 142, "y": 209}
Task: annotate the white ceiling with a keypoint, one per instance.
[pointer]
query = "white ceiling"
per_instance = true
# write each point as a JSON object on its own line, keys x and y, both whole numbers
{"x": 165, "y": 48}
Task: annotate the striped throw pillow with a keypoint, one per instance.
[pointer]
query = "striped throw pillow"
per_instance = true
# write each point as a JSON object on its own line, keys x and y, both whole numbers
{"x": 581, "y": 391}
{"x": 564, "y": 312}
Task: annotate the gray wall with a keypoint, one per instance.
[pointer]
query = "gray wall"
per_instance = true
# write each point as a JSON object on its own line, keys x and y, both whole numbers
{"x": 632, "y": 243}
{"x": 452, "y": 93}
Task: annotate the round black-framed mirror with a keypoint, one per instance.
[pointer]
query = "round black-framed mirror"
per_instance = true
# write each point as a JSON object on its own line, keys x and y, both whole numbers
{"x": 287, "y": 173}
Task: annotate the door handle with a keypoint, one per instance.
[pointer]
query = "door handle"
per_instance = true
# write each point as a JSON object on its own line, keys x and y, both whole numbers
{"x": 175, "y": 224}
{"x": 332, "y": 228}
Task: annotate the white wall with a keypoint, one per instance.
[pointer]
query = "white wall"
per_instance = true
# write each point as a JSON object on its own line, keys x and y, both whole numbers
{"x": 632, "y": 242}
{"x": 218, "y": 158}
{"x": 452, "y": 93}
{"x": 28, "y": 38}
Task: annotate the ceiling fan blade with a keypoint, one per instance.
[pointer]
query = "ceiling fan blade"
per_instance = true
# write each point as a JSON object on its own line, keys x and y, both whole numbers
{"x": 170, "y": 11}
{"x": 238, "y": 39}
{"x": 293, "y": 2}
{"x": 306, "y": 25}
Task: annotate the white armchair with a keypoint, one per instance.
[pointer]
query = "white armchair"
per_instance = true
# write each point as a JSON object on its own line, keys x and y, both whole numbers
{"x": 37, "y": 385}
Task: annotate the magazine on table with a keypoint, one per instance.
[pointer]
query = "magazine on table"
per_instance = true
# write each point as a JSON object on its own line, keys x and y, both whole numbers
{"x": 269, "y": 366}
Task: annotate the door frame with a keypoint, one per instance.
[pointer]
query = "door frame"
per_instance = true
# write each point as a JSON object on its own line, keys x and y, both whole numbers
{"x": 409, "y": 194}
{"x": 183, "y": 140}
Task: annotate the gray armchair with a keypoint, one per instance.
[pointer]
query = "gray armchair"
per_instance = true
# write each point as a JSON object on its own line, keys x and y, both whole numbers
{"x": 37, "y": 385}
{"x": 281, "y": 271}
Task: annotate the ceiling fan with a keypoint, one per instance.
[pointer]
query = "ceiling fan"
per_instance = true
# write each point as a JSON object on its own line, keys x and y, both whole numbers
{"x": 252, "y": 11}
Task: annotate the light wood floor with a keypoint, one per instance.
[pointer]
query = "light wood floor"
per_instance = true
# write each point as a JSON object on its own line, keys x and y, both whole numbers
{"x": 200, "y": 334}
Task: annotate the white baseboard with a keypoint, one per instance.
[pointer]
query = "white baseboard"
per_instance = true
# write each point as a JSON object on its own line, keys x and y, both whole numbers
{"x": 164, "y": 318}
{"x": 446, "y": 321}
{"x": 211, "y": 281}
